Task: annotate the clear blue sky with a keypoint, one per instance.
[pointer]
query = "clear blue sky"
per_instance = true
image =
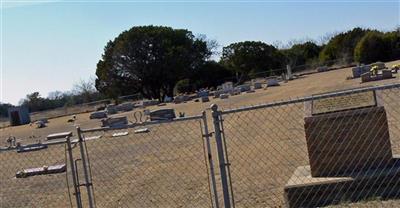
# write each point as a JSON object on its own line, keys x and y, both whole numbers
{"x": 50, "y": 46}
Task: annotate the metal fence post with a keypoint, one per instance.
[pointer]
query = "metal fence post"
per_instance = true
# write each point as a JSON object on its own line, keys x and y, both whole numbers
{"x": 88, "y": 183}
{"x": 221, "y": 157}
{"x": 73, "y": 172}
{"x": 207, "y": 136}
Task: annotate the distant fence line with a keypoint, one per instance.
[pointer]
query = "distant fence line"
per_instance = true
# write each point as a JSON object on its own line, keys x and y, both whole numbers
{"x": 91, "y": 106}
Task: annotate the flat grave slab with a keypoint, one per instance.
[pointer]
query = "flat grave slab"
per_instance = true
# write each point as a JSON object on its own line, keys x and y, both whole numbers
{"x": 61, "y": 135}
{"x": 52, "y": 169}
{"x": 117, "y": 121}
{"x": 162, "y": 114}
{"x": 31, "y": 147}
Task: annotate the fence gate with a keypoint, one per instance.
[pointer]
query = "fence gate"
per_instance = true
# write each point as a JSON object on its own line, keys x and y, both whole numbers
{"x": 154, "y": 164}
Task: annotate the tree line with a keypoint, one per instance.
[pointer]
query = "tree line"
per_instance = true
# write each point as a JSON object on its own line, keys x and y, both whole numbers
{"x": 82, "y": 92}
{"x": 159, "y": 61}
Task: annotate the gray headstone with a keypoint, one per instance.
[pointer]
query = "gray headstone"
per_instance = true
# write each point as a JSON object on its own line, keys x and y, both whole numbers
{"x": 162, "y": 114}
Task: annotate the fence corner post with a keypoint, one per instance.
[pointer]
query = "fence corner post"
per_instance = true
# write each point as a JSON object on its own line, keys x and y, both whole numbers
{"x": 221, "y": 155}
{"x": 85, "y": 161}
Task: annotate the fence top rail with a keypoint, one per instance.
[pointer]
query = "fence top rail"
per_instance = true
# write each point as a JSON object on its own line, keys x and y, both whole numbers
{"x": 310, "y": 98}
{"x": 147, "y": 123}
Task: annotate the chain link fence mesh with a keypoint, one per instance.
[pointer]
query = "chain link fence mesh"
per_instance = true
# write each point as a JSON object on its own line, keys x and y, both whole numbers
{"x": 48, "y": 190}
{"x": 158, "y": 165}
{"x": 266, "y": 145}
{"x": 167, "y": 164}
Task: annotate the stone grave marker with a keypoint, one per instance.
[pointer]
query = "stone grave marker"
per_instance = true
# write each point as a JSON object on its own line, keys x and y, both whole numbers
{"x": 98, "y": 115}
{"x": 118, "y": 121}
{"x": 61, "y": 135}
{"x": 162, "y": 114}
{"x": 349, "y": 149}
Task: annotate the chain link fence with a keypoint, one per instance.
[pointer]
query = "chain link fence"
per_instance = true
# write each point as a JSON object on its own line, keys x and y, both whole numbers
{"x": 269, "y": 150}
{"x": 289, "y": 153}
{"x": 150, "y": 165}
{"x": 21, "y": 187}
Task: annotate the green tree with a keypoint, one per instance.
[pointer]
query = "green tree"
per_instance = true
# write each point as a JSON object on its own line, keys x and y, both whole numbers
{"x": 4, "y": 109}
{"x": 183, "y": 86}
{"x": 34, "y": 102}
{"x": 149, "y": 60}
{"x": 392, "y": 40}
{"x": 247, "y": 58}
{"x": 211, "y": 74}
{"x": 371, "y": 48}
{"x": 301, "y": 54}
{"x": 341, "y": 46}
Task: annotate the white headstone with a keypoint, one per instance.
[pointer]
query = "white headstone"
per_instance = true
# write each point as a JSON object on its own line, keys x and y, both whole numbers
{"x": 289, "y": 72}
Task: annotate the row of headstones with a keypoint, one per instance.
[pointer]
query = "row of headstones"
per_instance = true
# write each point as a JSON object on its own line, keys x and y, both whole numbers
{"x": 227, "y": 88}
{"x": 364, "y": 71}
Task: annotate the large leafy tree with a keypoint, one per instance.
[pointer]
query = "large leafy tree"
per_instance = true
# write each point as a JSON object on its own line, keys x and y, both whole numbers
{"x": 301, "y": 54}
{"x": 371, "y": 48}
{"x": 342, "y": 46}
{"x": 149, "y": 60}
{"x": 392, "y": 40}
{"x": 249, "y": 57}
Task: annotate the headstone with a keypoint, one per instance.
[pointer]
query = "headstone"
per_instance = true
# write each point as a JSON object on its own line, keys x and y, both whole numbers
{"x": 346, "y": 129}
{"x": 387, "y": 74}
{"x": 359, "y": 70}
{"x": 40, "y": 124}
{"x": 31, "y": 147}
{"x": 52, "y": 169}
{"x": 125, "y": 107}
{"x": 61, "y": 135}
{"x": 289, "y": 72}
{"x": 181, "y": 99}
{"x": 162, "y": 114}
{"x": 257, "y": 85}
{"x": 271, "y": 82}
{"x": 322, "y": 69}
{"x": 218, "y": 93}
{"x": 235, "y": 91}
{"x": 202, "y": 93}
{"x": 119, "y": 121}
{"x": 366, "y": 77}
{"x": 111, "y": 109}
{"x": 205, "y": 99}
{"x": 140, "y": 131}
{"x": 98, "y": 115}
{"x": 379, "y": 64}
{"x": 349, "y": 148}
{"x": 146, "y": 103}
{"x": 227, "y": 86}
{"x": 244, "y": 88}
{"x": 224, "y": 96}
{"x": 168, "y": 99}
{"x": 18, "y": 116}
{"x": 119, "y": 134}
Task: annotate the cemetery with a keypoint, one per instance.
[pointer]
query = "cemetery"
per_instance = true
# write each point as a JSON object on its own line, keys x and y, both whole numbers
{"x": 310, "y": 172}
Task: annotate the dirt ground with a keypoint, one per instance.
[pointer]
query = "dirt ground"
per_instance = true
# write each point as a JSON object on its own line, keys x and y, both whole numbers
{"x": 305, "y": 85}
{"x": 166, "y": 167}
